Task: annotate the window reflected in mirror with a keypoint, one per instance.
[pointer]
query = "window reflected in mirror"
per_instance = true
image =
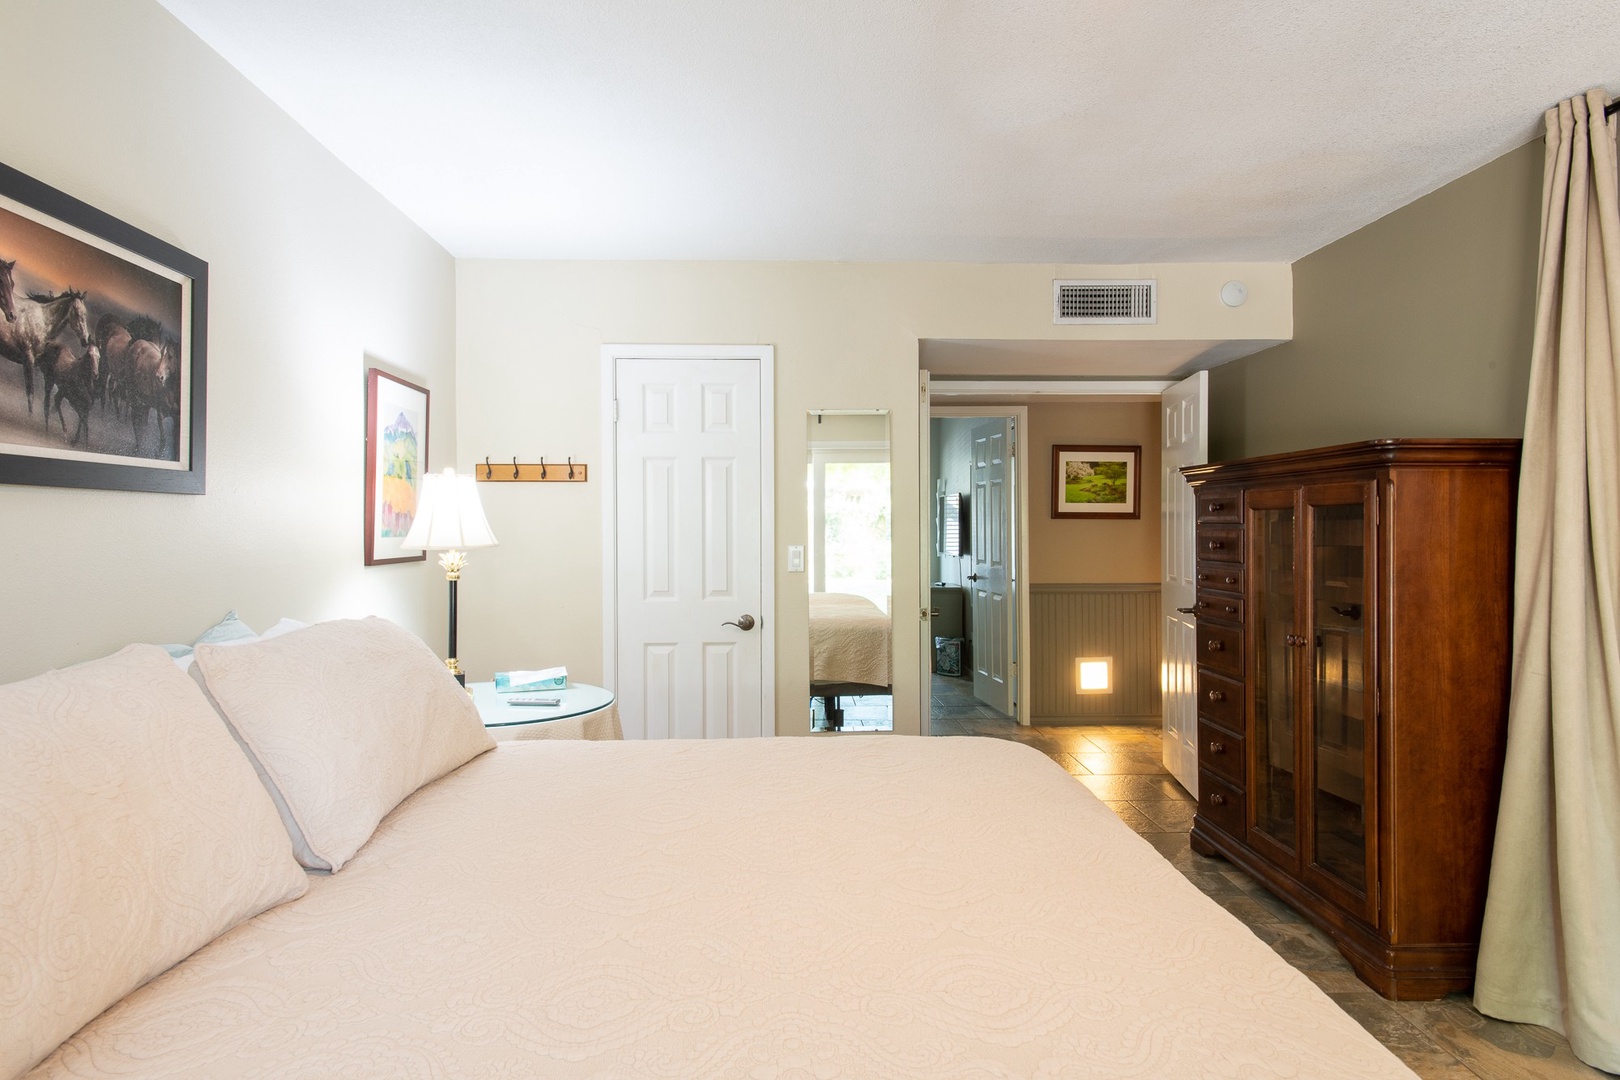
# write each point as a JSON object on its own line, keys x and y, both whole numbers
{"x": 849, "y": 564}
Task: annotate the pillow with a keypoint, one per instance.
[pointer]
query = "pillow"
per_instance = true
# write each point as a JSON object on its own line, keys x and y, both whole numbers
{"x": 228, "y": 629}
{"x": 345, "y": 719}
{"x": 132, "y": 833}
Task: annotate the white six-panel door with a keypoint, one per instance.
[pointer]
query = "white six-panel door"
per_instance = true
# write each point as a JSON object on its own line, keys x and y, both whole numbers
{"x": 1185, "y": 442}
{"x": 689, "y": 549}
{"x": 990, "y": 583}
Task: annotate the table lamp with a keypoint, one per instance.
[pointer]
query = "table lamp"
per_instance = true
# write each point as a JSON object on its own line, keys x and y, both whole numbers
{"x": 449, "y": 517}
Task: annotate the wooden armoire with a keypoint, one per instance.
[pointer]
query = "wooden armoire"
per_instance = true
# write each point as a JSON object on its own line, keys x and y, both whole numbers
{"x": 1354, "y": 620}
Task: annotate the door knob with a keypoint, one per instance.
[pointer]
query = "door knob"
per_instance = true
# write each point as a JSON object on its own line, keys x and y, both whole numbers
{"x": 973, "y": 577}
{"x": 744, "y": 622}
{"x": 1188, "y": 610}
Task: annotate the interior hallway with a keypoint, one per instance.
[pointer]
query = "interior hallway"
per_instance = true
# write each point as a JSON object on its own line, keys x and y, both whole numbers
{"x": 1122, "y": 765}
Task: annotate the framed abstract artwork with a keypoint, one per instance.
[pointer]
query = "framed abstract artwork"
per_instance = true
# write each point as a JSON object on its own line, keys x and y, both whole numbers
{"x": 396, "y": 458}
{"x": 103, "y": 348}
{"x": 1096, "y": 482}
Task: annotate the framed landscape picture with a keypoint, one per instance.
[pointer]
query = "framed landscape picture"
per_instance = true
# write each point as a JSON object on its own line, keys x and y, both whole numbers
{"x": 396, "y": 458}
{"x": 103, "y": 348}
{"x": 1096, "y": 482}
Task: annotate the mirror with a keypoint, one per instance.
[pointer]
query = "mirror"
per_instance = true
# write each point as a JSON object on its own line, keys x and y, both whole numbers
{"x": 848, "y": 560}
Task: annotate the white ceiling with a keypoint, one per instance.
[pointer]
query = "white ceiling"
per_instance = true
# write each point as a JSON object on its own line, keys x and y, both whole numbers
{"x": 975, "y": 130}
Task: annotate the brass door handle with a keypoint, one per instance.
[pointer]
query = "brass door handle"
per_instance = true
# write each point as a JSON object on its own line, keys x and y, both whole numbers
{"x": 744, "y": 622}
{"x": 1189, "y": 610}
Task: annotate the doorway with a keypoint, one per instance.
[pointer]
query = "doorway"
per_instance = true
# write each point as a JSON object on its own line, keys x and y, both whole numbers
{"x": 977, "y": 592}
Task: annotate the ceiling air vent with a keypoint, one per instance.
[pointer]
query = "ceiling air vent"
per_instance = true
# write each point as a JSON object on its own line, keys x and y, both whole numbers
{"x": 1105, "y": 301}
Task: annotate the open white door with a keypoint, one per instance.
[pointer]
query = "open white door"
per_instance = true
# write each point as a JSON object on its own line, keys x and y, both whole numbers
{"x": 925, "y": 509}
{"x": 691, "y": 612}
{"x": 990, "y": 583}
{"x": 1185, "y": 442}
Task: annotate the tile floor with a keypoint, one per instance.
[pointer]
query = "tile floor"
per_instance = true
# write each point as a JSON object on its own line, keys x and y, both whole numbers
{"x": 1439, "y": 1040}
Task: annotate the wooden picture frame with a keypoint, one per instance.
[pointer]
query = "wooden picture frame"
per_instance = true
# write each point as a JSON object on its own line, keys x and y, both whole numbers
{"x": 396, "y": 459}
{"x": 103, "y": 348}
{"x": 1096, "y": 482}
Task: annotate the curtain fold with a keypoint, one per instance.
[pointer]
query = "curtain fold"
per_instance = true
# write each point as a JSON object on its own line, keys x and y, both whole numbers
{"x": 1550, "y": 948}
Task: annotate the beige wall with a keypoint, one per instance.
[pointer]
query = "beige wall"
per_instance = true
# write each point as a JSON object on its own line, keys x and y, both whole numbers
{"x": 1092, "y": 552}
{"x": 311, "y": 272}
{"x": 846, "y": 336}
{"x": 1416, "y": 325}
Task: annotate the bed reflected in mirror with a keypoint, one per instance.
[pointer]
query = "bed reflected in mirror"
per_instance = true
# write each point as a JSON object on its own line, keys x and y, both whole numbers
{"x": 848, "y": 563}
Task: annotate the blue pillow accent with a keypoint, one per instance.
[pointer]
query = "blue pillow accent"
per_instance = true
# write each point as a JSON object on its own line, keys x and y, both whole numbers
{"x": 230, "y": 628}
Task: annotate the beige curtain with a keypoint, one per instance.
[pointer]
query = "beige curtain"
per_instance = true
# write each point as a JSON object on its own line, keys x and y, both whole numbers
{"x": 1550, "y": 953}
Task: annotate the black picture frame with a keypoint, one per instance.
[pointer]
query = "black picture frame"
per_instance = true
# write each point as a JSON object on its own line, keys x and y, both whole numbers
{"x": 185, "y": 474}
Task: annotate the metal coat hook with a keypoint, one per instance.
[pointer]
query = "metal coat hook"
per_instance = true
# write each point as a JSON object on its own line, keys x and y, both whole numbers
{"x": 514, "y": 467}
{"x": 489, "y": 470}
{"x": 570, "y": 466}
{"x": 542, "y": 466}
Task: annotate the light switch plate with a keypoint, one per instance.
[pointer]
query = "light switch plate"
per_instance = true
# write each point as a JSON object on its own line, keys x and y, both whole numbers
{"x": 795, "y": 558}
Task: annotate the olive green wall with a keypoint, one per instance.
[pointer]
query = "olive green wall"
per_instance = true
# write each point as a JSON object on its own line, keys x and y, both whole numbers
{"x": 1416, "y": 325}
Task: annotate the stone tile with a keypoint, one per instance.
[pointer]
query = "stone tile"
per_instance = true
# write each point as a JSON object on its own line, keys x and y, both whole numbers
{"x": 1070, "y": 764}
{"x": 1072, "y": 741}
{"x": 1495, "y": 1049}
{"x": 1171, "y": 814}
{"x": 1138, "y": 821}
{"x": 1302, "y": 946}
{"x": 1131, "y": 788}
{"x": 1122, "y": 765}
{"x": 1213, "y": 885}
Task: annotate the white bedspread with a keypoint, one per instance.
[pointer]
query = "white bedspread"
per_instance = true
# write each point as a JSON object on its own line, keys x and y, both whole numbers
{"x": 756, "y": 909}
{"x": 849, "y": 640}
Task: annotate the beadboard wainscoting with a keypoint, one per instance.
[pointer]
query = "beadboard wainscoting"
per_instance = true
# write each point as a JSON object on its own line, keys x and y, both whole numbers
{"x": 1117, "y": 621}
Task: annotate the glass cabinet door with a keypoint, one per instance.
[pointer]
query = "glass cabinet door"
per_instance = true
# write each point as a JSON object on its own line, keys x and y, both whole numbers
{"x": 1273, "y": 668}
{"x": 1339, "y": 689}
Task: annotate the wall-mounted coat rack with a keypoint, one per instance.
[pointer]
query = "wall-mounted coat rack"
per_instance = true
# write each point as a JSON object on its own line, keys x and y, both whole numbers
{"x": 548, "y": 472}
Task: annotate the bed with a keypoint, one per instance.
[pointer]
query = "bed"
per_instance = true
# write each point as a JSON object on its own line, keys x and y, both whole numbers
{"x": 849, "y": 650}
{"x": 679, "y": 909}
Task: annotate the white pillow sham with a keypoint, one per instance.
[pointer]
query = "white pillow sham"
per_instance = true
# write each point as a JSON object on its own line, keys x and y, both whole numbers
{"x": 345, "y": 719}
{"x": 132, "y": 833}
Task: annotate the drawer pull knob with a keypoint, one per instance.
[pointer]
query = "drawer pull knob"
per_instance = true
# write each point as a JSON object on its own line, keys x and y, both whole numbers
{"x": 1217, "y": 799}
{"x": 1216, "y": 508}
{"x": 1216, "y": 646}
{"x": 1217, "y": 748}
{"x": 1230, "y": 609}
{"x": 1231, "y": 580}
{"x": 1203, "y": 577}
{"x": 1216, "y": 545}
{"x": 1217, "y": 695}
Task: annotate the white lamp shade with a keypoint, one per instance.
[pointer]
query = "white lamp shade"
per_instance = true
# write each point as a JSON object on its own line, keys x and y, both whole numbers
{"x": 448, "y": 515}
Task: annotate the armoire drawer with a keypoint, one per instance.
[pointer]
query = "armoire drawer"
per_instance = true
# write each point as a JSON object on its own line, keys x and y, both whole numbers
{"x": 1216, "y": 576}
{"x": 1220, "y": 752}
{"x": 1220, "y": 647}
{"x": 1221, "y": 543}
{"x": 1220, "y": 804}
{"x": 1220, "y": 606}
{"x": 1220, "y": 700}
{"x": 1220, "y": 506}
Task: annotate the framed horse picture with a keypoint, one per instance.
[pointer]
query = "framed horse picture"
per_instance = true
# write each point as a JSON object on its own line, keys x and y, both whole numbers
{"x": 396, "y": 458}
{"x": 103, "y": 348}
